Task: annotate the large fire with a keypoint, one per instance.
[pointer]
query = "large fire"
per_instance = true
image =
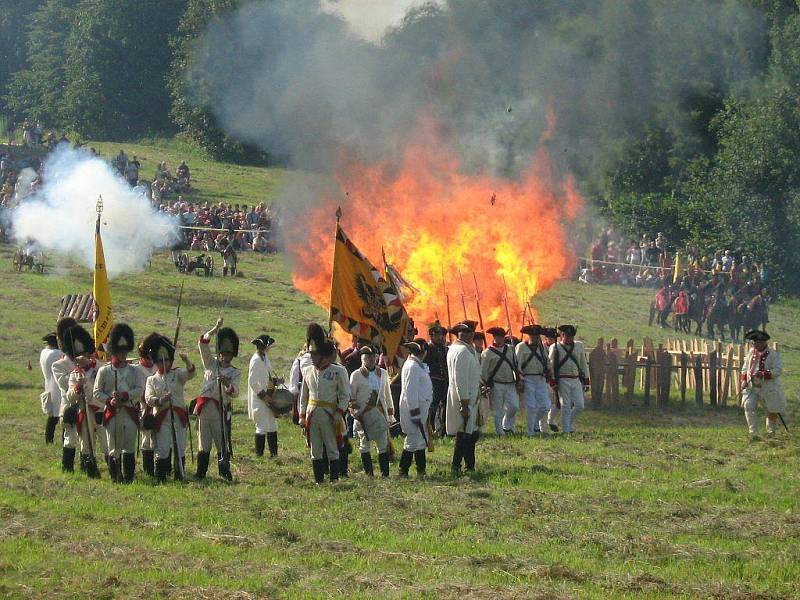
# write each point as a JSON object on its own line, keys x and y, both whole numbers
{"x": 444, "y": 230}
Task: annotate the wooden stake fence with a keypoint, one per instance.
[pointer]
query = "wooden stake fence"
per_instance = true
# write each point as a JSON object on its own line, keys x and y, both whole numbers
{"x": 709, "y": 368}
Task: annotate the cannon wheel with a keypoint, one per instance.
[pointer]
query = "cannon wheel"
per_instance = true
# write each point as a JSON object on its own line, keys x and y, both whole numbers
{"x": 210, "y": 266}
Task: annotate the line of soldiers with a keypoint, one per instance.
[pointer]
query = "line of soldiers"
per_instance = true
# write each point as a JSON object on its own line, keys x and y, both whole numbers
{"x": 438, "y": 390}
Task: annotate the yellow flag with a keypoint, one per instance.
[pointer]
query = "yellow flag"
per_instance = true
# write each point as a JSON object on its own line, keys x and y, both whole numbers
{"x": 678, "y": 268}
{"x": 104, "y": 319}
{"x": 361, "y": 300}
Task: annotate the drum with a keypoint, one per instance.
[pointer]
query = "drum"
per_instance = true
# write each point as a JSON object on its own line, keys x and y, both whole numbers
{"x": 282, "y": 401}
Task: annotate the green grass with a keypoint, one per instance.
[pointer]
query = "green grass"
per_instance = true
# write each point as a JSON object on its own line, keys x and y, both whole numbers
{"x": 641, "y": 503}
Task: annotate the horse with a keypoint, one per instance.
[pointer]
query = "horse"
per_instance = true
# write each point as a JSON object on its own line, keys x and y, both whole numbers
{"x": 719, "y": 315}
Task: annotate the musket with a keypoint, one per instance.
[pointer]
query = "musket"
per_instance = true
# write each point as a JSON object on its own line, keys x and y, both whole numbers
{"x": 117, "y": 448}
{"x": 175, "y": 345}
{"x": 478, "y": 301}
{"x": 447, "y": 306}
{"x": 178, "y": 317}
{"x": 176, "y": 459}
{"x": 89, "y": 423}
{"x": 226, "y": 449}
{"x": 505, "y": 301}
{"x": 463, "y": 293}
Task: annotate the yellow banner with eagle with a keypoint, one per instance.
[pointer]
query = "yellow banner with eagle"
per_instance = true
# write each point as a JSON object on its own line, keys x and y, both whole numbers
{"x": 363, "y": 303}
{"x": 103, "y": 318}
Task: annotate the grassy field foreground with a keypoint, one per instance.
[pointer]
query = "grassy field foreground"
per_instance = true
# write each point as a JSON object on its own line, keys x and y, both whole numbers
{"x": 641, "y": 503}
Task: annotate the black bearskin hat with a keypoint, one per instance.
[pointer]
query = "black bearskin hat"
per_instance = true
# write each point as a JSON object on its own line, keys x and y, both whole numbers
{"x": 227, "y": 341}
{"x": 121, "y": 338}
{"x": 147, "y": 344}
{"x": 317, "y": 341}
{"x": 63, "y": 324}
{"x": 160, "y": 348}
{"x": 77, "y": 341}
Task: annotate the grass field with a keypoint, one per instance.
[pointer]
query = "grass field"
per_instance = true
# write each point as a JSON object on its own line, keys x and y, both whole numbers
{"x": 641, "y": 503}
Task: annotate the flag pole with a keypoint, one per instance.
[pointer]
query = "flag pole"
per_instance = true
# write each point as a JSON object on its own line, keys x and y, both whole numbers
{"x": 333, "y": 269}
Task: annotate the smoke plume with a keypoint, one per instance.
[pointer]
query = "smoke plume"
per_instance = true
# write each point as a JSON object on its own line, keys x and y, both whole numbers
{"x": 61, "y": 215}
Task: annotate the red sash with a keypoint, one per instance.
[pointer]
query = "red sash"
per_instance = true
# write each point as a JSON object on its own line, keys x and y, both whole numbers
{"x": 200, "y": 402}
{"x": 183, "y": 416}
{"x": 110, "y": 411}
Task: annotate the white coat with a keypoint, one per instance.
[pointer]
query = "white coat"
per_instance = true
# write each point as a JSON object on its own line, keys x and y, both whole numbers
{"x": 416, "y": 396}
{"x": 464, "y": 378}
{"x": 259, "y": 374}
{"x": 51, "y": 401}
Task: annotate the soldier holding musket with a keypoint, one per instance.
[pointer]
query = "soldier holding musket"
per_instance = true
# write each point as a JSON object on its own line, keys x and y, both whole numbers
{"x": 61, "y": 370}
{"x": 144, "y": 369}
{"x": 534, "y": 366}
{"x": 570, "y": 375}
{"x": 370, "y": 404}
{"x": 164, "y": 393}
{"x": 500, "y": 376}
{"x": 761, "y": 381}
{"x": 119, "y": 388}
{"x": 415, "y": 401}
{"x": 213, "y": 406}
{"x": 464, "y": 375}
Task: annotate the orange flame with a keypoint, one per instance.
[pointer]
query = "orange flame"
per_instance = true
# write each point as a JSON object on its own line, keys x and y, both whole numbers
{"x": 440, "y": 227}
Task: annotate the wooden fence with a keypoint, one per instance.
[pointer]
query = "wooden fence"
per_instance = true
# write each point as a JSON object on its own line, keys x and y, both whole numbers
{"x": 698, "y": 368}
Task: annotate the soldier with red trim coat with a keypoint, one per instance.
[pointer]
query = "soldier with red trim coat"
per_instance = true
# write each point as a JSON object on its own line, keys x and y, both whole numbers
{"x": 119, "y": 388}
{"x": 217, "y": 373}
{"x": 144, "y": 369}
{"x": 324, "y": 397}
{"x": 761, "y": 380}
{"x": 86, "y": 429}
{"x": 164, "y": 392}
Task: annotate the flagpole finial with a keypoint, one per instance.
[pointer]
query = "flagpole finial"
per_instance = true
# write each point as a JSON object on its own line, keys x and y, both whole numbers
{"x": 99, "y": 206}
{"x": 338, "y": 213}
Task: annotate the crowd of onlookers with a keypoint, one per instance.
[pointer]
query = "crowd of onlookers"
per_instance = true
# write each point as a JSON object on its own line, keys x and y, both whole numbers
{"x": 204, "y": 226}
{"x": 646, "y": 262}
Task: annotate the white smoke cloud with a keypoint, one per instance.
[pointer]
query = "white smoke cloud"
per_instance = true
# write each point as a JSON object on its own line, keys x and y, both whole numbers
{"x": 61, "y": 215}
{"x": 370, "y": 19}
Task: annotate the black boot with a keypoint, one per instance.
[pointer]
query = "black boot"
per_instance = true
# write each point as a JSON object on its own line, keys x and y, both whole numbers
{"x": 325, "y": 468}
{"x": 421, "y": 461}
{"x": 383, "y": 461}
{"x": 224, "y": 468}
{"x": 50, "y": 430}
{"x": 458, "y": 452}
{"x": 334, "y": 469}
{"x": 319, "y": 471}
{"x": 179, "y": 468}
{"x": 405, "y": 462}
{"x": 469, "y": 450}
{"x": 68, "y": 460}
{"x": 272, "y": 442}
{"x": 111, "y": 463}
{"x": 202, "y": 464}
{"x": 148, "y": 462}
{"x": 366, "y": 460}
{"x": 128, "y": 467}
{"x": 260, "y": 440}
{"x": 344, "y": 461}
{"x": 91, "y": 467}
{"x": 224, "y": 271}
{"x": 162, "y": 469}
{"x": 84, "y": 458}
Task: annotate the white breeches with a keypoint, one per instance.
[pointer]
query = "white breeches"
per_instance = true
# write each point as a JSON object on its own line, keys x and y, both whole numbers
{"x": 537, "y": 402}
{"x": 374, "y": 429}
{"x": 572, "y": 402}
{"x": 505, "y": 402}
{"x": 322, "y": 434}
{"x": 164, "y": 438}
{"x": 121, "y": 432}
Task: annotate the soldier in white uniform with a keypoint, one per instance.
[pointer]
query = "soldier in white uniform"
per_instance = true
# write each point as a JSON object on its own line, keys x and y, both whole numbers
{"x": 81, "y": 414}
{"x": 500, "y": 376}
{"x": 464, "y": 380}
{"x": 144, "y": 369}
{"x": 571, "y": 375}
{"x": 261, "y": 382}
{"x": 370, "y": 404}
{"x": 534, "y": 366}
{"x": 219, "y": 379}
{"x": 119, "y": 388}
{"x": 549, "y": 338}
{"x": 324, "y": 397}
{"x": 51, "y": 397}
{"x": 301, "y": 361}
{"x": 164, "y": 393}
{"x": 761, "y": 381}
{"x": 416, "y": 397}
{"x": 61, "y": 370}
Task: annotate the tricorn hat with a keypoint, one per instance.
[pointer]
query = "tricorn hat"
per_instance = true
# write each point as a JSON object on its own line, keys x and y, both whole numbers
{"x": 77, "y": 341}
{"x": 51, "y": 339}
{"x": 479, "y": 335}
{"x": 121, "y": 338}
{"x": 550, "y": 332}
{"x": 63, "y": 324}
{"x": 463, "y": 327}
{"x": 263, "y": 340}
{"x": 418, "y": 347}
{"x": 756, "y": 335}
{"x": 435, "y": 327}
{"x": 532, "y": 330}
{"x": 366, "y": 350}
{"x": 568, "y": 329}
{"x": 227, "y": 341}
{"x": 499, "y": 331}
{"x": 160, "y": 348}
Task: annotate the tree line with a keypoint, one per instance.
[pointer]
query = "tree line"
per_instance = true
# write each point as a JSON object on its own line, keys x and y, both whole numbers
{"x": 709, "y": 154}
